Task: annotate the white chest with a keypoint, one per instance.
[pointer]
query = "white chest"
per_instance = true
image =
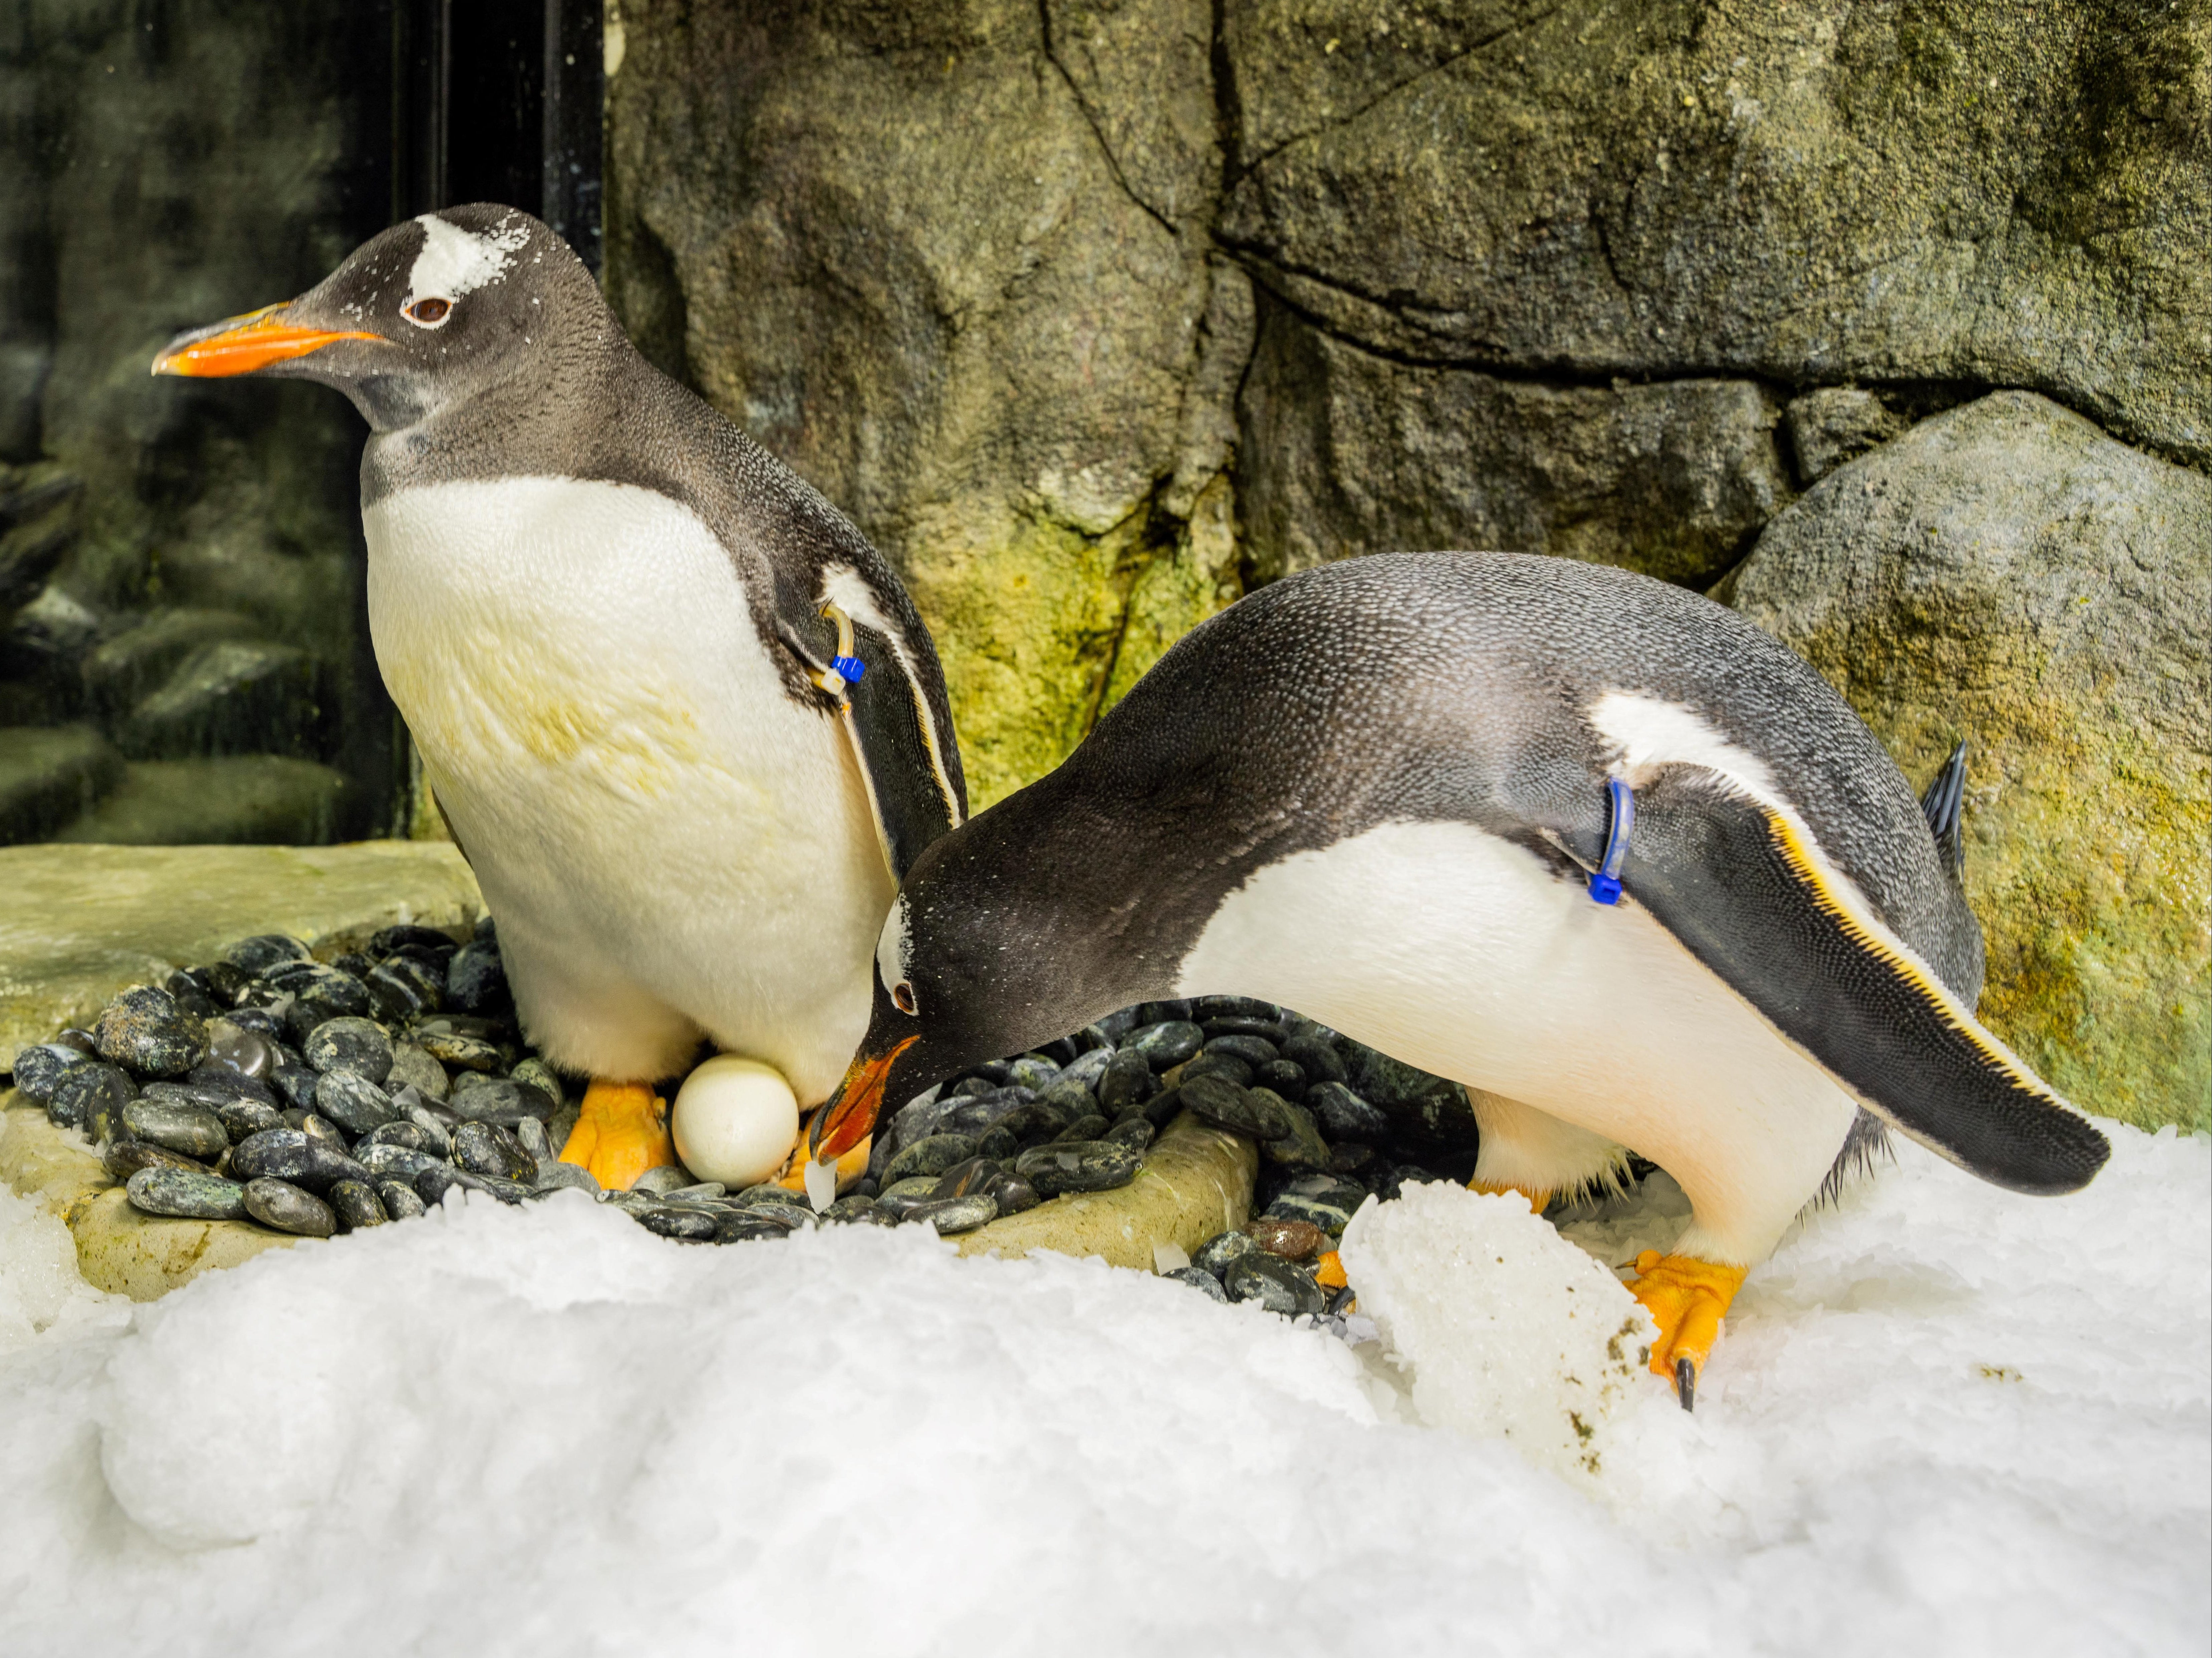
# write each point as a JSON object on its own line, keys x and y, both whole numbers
{"x": 607, "y": 731}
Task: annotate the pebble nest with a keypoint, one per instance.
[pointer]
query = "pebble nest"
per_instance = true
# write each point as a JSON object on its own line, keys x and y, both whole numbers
{"x": 319, "y": 1098}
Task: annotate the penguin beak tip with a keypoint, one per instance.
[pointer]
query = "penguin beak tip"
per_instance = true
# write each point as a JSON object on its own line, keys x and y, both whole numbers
{"x": 246, "y": 345}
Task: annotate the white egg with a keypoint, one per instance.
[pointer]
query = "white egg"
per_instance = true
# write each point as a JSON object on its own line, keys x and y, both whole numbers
{"x": 735, "y": 1121}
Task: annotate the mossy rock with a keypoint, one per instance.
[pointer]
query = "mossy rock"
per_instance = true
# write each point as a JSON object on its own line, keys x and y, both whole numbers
{"x": 83, "y": 922}
{"x": 117, "y": 1248}
{"x": 1196, "y": 1181}
{"x": 2007, "y": 573}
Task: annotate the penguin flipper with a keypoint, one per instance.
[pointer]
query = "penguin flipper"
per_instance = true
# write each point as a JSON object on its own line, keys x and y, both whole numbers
{"x": 886, "y": 716}
{"x": 1944, "y": 806}
{"x": 1744, "y": 886}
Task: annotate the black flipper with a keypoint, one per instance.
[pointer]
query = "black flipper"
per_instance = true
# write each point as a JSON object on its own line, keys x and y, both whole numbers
{"x": 1944, "y": 806}
{"x": 1747, "y": 890}
{"x": 914, "y": 782}
{"x": 915, "y": 800}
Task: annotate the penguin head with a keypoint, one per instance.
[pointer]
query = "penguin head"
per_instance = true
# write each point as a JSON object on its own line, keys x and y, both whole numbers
{"x": 426, "y": 315}
{"x": 979, "y": 957}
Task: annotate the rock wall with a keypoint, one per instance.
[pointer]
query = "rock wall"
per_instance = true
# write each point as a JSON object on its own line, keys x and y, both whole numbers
{"x": 1093, "y": 315}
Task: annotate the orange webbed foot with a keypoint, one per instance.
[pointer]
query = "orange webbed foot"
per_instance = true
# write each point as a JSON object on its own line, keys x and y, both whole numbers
{"x": 1685, "y": 1297}
{"x": 620, "y": 1133}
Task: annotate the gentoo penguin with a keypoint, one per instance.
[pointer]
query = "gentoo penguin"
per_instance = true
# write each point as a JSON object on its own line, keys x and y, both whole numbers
{"x": 682, "y": 718}
{"x": 1594, "y": 846}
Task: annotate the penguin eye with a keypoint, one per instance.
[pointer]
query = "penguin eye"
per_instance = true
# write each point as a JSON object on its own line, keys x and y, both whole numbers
{"x": 427, "y": 314}
{"x": 902, "y": 996}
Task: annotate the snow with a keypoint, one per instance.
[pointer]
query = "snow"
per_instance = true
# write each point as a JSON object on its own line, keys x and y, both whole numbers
{"x": 1503, "y": 1329}
{"x": 1944, "y": 1418}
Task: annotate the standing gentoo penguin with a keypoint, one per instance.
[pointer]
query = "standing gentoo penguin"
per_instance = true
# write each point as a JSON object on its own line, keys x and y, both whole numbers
{"x": 1594, "y": 846}
{"x": 682, "y": 718}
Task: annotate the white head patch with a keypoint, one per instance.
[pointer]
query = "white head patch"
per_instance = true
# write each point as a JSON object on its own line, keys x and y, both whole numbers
{"x": 454, "y": 261}
{"x": 894, "y": 947}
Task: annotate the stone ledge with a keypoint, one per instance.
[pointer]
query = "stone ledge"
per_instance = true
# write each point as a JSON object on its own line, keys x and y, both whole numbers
{"x": 117, "y": 1248}
{"x": 81, "y": 922}
{"x": 1196, "y": 1181}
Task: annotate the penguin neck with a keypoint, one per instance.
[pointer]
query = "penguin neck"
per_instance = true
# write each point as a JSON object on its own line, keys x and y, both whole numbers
{"x": 543, "y": 420}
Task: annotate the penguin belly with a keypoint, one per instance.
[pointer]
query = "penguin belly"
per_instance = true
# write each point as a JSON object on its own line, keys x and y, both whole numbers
{"x": 671, "y": 844}
{"x": 1464, "y": 953}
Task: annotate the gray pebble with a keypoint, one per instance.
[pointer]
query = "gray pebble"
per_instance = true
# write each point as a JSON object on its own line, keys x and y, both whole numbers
{"x": 457, "y": 1050}
{"x": 1200, "y": 1280}
{"x": 291, "y": 1154}
{"x": 144, "y": 1031}
{"x": 244, "y": 1051}
{"x": 1134, "y": 1131}
{"x": 507, "y": 1104}
{"x": 1087, "y": 1068}
{"x": 190, "y": 1130}
{"x": 281, "y": 1205}
{"x": 264, "y": 951}
{"x": 658, "y": 1182}
{"x": 1166, "y": 1044}
{"x": 401, "y": 1201}
{"x": 534, "y": 1072}
{"x": 531, "y": 1132}
{"x": 1078, "y": 1166}
{"x": 125, "y": 1156}
{"x": 554, "y": 1175}
{"x": 1012, "y": 1192}
{"x": 1227, "y": 1066}
{"x": 358, "y": 1047}
{"x": 1344, "y": 1114}
{"x": 476, "y": 982}
{"x": 1316, "y": 1057}
{"x": 744, "y": 1228}
{"x": 1222, "y": 1103}
{"x": 848, "y": 1209}
{"x": 1222, "y": 1251}
{"x": 386, "y": 1159}
{"x": 1303, "y": 1147}
{"x": 1127, "y": 1080}
{"x": 192, "y": 1194}
{"x": 413, "y": 1067}
{"x": 39, "y": 1068}
{"x": 1275, "y": 1284}
{"x": 353, "y": 1104}
{"x": 679, "y": 1221}
{"x": 355, "y": 1205}
{"x": 933, "y": 1156}
{"x": 485, "y": 1148}
{"x": 952, "y": 1215}
{"x": 92, "y": 1097}
{"x": 1254, "y": 1051}
{"x": 439, "y": 1137}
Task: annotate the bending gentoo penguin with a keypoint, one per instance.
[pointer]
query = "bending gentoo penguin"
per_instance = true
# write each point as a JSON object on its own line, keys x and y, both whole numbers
{"x": 1594, "y": 846}
{"x": 682, "y": 718}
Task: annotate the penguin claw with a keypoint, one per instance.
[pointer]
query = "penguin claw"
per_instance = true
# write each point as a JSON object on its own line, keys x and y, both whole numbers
{"x": 620, "y": 1134}
{"x": 1685, "y": 1297}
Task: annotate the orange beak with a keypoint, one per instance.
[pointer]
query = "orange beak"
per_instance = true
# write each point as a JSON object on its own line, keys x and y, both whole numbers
{"x": 240, "y": 345}
{"x": 851, "y": 1117}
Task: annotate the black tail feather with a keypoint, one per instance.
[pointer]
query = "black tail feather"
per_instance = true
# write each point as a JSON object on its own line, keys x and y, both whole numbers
{"x": 1944, "y": 805}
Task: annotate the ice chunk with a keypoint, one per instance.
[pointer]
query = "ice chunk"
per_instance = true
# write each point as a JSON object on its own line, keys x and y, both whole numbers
{"x": 1508, "y": 1330}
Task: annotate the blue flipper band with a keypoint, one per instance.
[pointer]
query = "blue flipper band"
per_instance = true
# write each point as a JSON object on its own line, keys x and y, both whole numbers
{"x": 849, "y": 668}
{"x": 1605, "y": 880}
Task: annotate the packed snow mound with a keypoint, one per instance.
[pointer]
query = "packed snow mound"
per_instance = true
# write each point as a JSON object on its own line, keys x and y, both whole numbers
{"x": 1945, "y": 1420}
{"x": 41, "y": 1289}
{"x": 1505, "y": 1328}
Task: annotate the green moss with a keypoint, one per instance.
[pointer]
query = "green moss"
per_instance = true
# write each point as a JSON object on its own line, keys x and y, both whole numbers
{"x": 1042, "y": 628}
{"x": 2086, "y": 864}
